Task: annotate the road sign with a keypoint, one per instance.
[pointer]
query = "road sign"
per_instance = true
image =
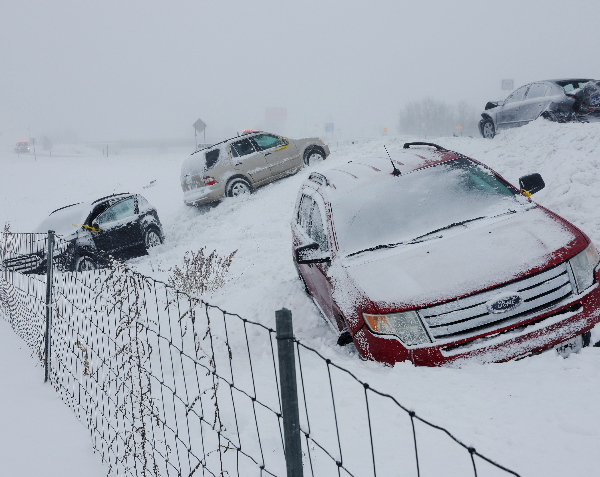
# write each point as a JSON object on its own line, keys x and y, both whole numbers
{"x": 385, "y": 130}
{"x": 199, "y": 125}
{"x": 508, "y": 85}
{"x": 329, "y": 127}
{"x": 458, "y": 127}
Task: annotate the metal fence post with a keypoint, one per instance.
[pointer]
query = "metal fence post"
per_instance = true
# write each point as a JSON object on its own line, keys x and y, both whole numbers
{"x": 289, "y": 392}
{"x": 49, "y": 269}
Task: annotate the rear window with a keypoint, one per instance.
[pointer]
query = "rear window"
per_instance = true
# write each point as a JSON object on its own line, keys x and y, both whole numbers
{"x": 212, "y": 157}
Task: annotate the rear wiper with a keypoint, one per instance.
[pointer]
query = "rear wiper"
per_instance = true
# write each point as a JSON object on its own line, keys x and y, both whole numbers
{"x": 420, "y": 238}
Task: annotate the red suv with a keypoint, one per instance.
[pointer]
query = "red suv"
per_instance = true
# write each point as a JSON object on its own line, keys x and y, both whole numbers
{"x": 430, "y": 256}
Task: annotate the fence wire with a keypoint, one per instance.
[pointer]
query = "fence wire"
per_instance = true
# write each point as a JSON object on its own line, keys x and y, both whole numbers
{"x": 169, "y": 385}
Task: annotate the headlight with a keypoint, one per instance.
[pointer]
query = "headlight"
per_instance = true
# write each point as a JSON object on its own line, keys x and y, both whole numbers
{"x": 406, "y": 325}
{"x": 583, "y": 265}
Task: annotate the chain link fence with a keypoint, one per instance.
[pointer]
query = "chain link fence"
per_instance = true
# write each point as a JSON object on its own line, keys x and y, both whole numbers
{"x": 169, "y": 385}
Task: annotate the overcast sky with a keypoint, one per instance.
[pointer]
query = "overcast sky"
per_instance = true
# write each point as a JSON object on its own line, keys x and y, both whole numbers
{"x": 144, "y": 69}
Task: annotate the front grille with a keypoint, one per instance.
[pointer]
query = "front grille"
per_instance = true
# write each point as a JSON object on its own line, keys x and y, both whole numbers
{"x": 22, "y": 263}
{"x": 466, "y": 316}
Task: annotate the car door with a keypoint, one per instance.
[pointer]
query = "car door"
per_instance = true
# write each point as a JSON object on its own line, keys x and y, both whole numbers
{"x": 508, "y": 115}
{"x": 119, "y": 227}
{"x": 535, "y": 102}
{"x": 247, "y": 159}
{"x": 309, "y": 229}
{"x": 280, "y": 154}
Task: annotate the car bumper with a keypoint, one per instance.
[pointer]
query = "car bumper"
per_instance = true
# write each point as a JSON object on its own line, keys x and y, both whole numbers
{"x": 204, "y": 194}
{"x": 326, "y": 149}
{"x": 575, "y": 316}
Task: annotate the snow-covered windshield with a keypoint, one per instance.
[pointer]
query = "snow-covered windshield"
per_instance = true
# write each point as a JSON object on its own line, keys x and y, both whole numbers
{"x": 65, "y": 221}
{"x": 401, "y": 209}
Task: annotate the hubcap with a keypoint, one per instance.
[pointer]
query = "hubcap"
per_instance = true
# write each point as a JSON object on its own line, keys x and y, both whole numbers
{"x": 152, "y": 239}
{"x": 86, "y": 265}
{"x": 314, "y": 158}
{"x": 239, "y": 188}
{"x": 488, "y": 130}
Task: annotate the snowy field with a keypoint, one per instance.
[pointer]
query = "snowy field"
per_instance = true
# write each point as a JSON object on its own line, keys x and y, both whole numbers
{"x": 537, "y": 416}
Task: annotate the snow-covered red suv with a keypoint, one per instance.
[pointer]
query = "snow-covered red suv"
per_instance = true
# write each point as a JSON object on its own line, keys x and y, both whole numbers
{"x": 430, "y": 256}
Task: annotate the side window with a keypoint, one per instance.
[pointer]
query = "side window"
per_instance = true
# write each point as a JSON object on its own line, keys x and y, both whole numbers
{"x": 268, "y": 141}
{"x": 518, "y": 95}
{"x": 317, "y": 231}
{"x": 119, "y": 211}
{"x": 304, "y": 213}
{"x": 242, "y": 148}
{"x": 537, "y": 90}
{"x": 212, "y": 158}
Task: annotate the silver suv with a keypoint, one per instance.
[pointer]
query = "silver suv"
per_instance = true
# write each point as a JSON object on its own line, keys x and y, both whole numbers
{"x": 241, "y": 164}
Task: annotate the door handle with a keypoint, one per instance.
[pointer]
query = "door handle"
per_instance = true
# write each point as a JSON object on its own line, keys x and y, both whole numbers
{"x": 267, "y": 153}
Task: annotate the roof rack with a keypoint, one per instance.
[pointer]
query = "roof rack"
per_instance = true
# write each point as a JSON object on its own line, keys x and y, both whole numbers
{"x": 439, "y": 148}
{"x": 65, "y": 207}
{"x": 318, "y": 178}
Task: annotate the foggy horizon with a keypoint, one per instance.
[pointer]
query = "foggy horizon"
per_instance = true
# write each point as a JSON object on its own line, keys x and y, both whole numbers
{"x": 138, "y": 70}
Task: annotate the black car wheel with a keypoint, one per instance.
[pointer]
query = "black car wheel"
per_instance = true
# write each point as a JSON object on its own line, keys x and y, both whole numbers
{"x": 152, "y": 239}
{"x": 237, "y": 187}
{"x": 488, "y": 130}
{"x": 85, "y": 264}
{"x": 313, "y": 155}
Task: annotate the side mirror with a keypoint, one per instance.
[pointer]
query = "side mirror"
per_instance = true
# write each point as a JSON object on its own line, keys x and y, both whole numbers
{"x": 531, "y": 183}
{"x": 310, "y": 253}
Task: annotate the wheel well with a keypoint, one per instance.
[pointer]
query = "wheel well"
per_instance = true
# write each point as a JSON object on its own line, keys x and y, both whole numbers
{"x": 486, "y": 117}
{"x": 313, "y": 147}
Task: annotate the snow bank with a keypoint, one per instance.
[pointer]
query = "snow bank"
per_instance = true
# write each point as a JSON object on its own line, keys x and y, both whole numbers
{"x": 538, "y": 416}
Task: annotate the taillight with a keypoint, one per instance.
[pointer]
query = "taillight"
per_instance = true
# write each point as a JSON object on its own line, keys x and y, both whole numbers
{"x": 209, "y": 180}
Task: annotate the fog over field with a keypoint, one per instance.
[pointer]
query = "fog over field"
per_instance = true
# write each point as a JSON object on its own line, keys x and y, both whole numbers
{"x": 109, "y": 70}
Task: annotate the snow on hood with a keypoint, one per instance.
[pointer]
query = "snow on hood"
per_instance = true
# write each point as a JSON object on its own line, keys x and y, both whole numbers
{"x": 65, "y": 221}
{"x": 459, "y": 264}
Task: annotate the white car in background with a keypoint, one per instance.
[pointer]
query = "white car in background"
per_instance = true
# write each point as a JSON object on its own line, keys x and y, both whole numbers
{"x": 241, "y": 164}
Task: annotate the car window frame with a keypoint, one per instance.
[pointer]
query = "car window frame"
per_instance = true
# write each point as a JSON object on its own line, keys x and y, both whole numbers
{"x": 232, "y": 148}
{"x": 135, "y": 211}
{"x": 526, "y": 87}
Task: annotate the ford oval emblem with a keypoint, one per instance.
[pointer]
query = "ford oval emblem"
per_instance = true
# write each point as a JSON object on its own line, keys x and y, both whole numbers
{"x": 504, "y": 302}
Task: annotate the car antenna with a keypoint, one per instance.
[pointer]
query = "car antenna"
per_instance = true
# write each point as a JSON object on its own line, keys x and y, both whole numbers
{"x": 396, "y": 171}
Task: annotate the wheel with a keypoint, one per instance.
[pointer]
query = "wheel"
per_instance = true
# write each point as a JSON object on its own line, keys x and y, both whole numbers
{"x": 488, "y": 130}
{"x": 238, "y": 186}
{"x": 85, "y": 264}
{"x": 152, "y": 239}
{"x": 311, "y": 156}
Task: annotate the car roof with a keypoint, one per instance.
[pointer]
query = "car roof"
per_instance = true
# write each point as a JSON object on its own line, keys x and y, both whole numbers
{"x": 377, "y": 167}
{"x": 241, "y": 136}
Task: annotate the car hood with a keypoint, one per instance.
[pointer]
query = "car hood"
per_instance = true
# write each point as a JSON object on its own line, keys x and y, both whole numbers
{"x": 474, "y": 258}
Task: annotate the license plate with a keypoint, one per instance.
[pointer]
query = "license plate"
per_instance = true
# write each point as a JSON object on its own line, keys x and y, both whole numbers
{"x": 571, "y": 346}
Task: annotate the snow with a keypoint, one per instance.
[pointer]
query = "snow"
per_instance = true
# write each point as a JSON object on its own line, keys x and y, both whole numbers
{"x": 40, "y": 434}
{"x": 538, "y": 416}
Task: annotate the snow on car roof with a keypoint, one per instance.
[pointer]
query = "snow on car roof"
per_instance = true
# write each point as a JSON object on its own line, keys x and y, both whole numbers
{"x": 377, "y": 167}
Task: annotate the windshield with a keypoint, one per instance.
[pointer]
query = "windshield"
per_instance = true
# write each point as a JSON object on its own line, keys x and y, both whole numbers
{"x": 401, "y": 209}
{"x": 65, "y": 221}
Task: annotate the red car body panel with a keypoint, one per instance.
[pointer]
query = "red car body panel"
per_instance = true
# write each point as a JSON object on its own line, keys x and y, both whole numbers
{"x": 531, "y": 334}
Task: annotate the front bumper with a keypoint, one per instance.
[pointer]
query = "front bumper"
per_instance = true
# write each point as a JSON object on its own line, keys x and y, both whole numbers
{"x": 553, "y": 326}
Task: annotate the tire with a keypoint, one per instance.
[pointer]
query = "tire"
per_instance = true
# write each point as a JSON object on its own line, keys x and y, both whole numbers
{"x": 237, "y": 187}
{"x": 313, "y": 155}
{"x": 488, "y": 130}
{"x": 152, "y": 238}
{"x": 85, "y": 264}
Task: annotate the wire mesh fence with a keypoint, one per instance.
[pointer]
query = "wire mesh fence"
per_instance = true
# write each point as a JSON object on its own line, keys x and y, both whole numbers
{"x": 170, "y": 385}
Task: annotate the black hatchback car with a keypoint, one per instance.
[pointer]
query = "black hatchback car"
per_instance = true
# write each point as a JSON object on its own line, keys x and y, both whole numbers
{"x": 120, "y": 225}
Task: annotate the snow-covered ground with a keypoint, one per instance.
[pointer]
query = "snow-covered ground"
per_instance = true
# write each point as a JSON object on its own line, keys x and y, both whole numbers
{"x": 39, "y": 435}
{"x": 538, "y": 416}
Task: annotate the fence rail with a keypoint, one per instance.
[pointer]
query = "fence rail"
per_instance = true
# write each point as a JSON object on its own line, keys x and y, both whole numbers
{"x": 170, "y": 385}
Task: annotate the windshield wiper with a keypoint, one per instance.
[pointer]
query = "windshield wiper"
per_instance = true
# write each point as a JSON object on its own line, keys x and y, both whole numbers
{"x": 420, "y": 238}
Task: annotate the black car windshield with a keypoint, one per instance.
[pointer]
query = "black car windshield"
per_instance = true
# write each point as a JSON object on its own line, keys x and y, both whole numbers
{"x": 405, "y": 208}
